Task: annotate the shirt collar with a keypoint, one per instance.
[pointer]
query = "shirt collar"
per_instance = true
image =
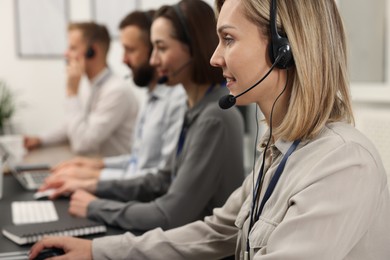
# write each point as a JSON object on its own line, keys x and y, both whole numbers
{"x": 159, "y": 92}
{"x": 280, "y": 144}
{"x": 216, "y": 92}
{"x": 101, "y": 77}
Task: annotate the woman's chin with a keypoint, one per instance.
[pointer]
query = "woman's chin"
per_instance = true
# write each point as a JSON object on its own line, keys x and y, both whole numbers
{"x": 242, "y": 102}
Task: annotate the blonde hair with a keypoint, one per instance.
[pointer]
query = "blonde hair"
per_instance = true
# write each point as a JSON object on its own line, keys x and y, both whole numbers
{"x": 320, "y": 87}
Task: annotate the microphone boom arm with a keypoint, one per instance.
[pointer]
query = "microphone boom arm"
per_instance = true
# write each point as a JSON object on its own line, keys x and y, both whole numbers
{"x": 228, "y": 101}
{"x": 261, "y": 80}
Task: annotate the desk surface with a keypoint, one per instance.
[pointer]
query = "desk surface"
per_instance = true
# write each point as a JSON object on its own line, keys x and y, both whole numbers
{"x": 13, "y": 191}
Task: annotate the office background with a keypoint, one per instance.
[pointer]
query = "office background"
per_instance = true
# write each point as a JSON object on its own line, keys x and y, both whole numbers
{"x": 39, "y": 83}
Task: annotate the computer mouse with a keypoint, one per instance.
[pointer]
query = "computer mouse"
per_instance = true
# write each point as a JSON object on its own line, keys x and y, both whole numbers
{"x": 43, "y": 195}
{"x": 49, "y": 252}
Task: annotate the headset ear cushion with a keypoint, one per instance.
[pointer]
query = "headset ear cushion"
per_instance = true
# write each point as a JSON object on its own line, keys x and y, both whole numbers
{"x": 281, "y": 48}
{"x": 286, "y": 59}
{"x": 90, "y": 52}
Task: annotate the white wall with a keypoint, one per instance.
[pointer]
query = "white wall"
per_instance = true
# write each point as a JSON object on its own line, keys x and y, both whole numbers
{"x": 35, "y": 81}
{"x": 40, "y": 83}
{"x": 365, "y": 25}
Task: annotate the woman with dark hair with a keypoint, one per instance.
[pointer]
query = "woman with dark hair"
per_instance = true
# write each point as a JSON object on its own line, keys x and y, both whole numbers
{"x": 207, "y": 165}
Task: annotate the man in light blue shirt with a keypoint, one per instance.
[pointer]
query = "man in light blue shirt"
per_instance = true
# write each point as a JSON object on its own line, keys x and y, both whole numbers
{"x": 159, "y": 121}
{"x": 156, "y": 135}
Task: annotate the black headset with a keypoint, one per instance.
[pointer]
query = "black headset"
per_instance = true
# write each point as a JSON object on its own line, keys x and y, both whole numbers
{"x": 183, "y": 23}
{"x": 279, "y": 46}
{"x": 281, "y": 57}
{"x": 90, "y": 52}
{"x": 279, "y": 52}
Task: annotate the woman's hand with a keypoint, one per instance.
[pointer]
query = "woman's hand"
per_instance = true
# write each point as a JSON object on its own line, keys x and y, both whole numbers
{"x": 79, "y": 203}
{"x": 66, "y": 186}
{"x": 74, "y": 248}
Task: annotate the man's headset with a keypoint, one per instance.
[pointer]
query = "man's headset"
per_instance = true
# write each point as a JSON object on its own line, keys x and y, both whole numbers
{"x": 279, "y": 52}
{"x": 90, "y": 53}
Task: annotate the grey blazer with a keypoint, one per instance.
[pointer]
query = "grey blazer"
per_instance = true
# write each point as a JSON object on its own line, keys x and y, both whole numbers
{"x": 207, "y": 170}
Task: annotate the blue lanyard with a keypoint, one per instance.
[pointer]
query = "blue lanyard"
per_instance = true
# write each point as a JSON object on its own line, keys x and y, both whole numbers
{"x": 182, "y": 136}
{"x": 271, "y": 186}
{"x": 275, "y": 178}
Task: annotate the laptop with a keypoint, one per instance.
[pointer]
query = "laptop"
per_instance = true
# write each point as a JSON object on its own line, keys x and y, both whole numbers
{"x": 30, "y": 176}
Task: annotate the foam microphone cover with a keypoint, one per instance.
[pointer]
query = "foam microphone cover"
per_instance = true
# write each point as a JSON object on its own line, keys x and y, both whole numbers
{"x": 162, "y": 80}
{"x": 227, "y": 101}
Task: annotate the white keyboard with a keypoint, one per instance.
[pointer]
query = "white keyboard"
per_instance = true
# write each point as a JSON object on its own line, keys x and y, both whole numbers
{"x": 25, "y": 212}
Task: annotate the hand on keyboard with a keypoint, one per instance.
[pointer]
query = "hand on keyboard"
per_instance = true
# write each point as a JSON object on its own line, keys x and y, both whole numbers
{"x": 65, "y": 187}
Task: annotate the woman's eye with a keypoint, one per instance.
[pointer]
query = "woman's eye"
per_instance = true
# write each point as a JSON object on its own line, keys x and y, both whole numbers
{"x": 161, "y": 48}
{"x": 227, "y": 39}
